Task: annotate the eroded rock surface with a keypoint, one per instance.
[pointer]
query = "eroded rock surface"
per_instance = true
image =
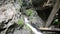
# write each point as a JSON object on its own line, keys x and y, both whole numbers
{"x": 10, "y": 14}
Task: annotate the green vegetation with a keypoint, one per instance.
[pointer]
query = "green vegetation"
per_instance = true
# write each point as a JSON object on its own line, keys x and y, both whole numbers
{"x": 20, "y": 22}
{"x": 56, "y": 21}
{"x": 29, "y": 12}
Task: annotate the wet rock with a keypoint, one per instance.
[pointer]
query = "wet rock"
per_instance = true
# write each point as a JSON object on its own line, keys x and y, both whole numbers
{"x": 8, "y": 15}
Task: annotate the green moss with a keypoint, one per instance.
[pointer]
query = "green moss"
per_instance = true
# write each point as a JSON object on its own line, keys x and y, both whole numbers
{"x": 55, "y": 21}
{"x": 29, "y": 12}
{"x": 20, "y": 22}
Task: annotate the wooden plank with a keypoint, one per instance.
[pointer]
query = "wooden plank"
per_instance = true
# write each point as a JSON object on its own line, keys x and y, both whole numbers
{"x": 51, "y": 17}
{"x": 50, "y": 29}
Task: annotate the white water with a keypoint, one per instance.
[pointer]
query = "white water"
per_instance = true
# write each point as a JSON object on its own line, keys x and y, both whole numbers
{"x": 32, "y": 28}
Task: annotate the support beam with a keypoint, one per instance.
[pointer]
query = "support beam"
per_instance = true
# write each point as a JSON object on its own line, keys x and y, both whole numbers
{"x": 53, "y": 13}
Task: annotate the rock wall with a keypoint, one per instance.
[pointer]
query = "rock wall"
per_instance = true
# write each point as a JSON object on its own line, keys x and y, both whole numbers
{"x": 10, "y": 12}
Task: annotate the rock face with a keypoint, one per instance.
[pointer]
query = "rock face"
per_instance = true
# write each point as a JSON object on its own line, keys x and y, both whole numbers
{"x": 10, "y": 13}
{"x": 9, "y": 16}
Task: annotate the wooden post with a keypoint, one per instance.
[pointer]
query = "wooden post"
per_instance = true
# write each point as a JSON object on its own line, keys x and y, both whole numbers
{"x": 53, "y": 12}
